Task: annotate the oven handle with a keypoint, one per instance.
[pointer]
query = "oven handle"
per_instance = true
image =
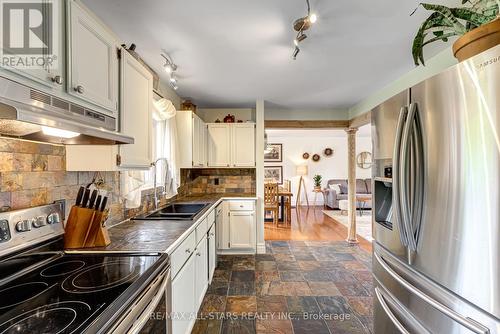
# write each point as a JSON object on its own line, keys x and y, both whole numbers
{"x": 146, "y": 314}
{"x": 467, "y": 322}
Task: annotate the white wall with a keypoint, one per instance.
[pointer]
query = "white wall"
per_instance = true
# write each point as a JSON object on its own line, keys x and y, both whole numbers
{"x": 210, "y": 115}
{"x": 433, "y": 66}
{"x": 307, "y": 114}
{"x": 296, "y": 142}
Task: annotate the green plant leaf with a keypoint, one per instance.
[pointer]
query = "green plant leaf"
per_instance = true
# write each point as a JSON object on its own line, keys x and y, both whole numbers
{"x": 443, "y": 37}
{"x": 447, "y": 13}
{"x": 435, "y": 22}
{"x": 475, "y": 19}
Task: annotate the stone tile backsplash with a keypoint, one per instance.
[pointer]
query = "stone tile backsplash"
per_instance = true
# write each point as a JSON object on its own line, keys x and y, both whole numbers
{"x": 217, "y": 180}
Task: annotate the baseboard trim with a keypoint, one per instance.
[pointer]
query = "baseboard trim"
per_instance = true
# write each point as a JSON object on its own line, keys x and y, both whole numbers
{"x": 261, "y": 248}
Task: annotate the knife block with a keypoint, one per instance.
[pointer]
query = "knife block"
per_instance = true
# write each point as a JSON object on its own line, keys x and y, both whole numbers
{"x": 85, "y": 228}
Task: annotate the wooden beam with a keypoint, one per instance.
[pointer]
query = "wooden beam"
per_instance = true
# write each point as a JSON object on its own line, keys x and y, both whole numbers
{"x": 297, "y": 124}
{"x": 361, "y": 120}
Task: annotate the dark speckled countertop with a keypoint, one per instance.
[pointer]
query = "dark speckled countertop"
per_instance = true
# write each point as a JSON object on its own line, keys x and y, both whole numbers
{"x": 161, "y": 235}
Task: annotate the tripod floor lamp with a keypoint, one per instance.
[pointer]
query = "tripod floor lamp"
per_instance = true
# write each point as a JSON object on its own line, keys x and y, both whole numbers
{"x": 301, "y": 171}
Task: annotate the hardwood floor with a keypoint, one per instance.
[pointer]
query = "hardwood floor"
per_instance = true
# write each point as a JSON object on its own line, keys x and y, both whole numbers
{"x": 311, "y": 224}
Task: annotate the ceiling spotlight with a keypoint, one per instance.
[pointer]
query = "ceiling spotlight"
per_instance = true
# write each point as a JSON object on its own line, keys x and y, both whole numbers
{"x": 174, "y": 86}
{"x": 173, "y": 79}
{"x": 168, "y": 68}
{"x": 300, "y": 37}
{"x": 302, "y": 24}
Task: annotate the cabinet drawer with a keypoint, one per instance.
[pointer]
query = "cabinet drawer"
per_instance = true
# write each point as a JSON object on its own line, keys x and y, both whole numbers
{"x": 241, "y": 206}
{"x": 182, "y": 253}
{"x": 201, "y": 231}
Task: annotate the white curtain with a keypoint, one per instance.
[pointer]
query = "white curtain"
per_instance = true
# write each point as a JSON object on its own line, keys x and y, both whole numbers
{"x": 165, "y": 133}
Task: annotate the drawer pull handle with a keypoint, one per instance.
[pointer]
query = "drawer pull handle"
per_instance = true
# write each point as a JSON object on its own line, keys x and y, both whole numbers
{"x": 79, "y": 89}
{"x": 198, "y": 254}
{"x": 212, "y": 234}
{"x": 188, "y": 251}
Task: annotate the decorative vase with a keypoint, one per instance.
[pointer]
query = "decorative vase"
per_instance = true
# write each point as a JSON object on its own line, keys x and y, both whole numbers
{"x": 477, "y": 40}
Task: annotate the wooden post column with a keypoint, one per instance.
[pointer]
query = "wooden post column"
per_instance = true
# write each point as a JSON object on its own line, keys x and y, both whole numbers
{"x": 351, "y": 179}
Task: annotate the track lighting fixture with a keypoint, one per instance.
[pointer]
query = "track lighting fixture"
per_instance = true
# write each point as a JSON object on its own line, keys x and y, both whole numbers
{"x": 302, "y": 24}
{"x": 170, "y": 68}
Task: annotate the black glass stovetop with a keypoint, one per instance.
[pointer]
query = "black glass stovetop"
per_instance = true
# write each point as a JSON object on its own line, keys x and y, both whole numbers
{"x": 68, "y": 294}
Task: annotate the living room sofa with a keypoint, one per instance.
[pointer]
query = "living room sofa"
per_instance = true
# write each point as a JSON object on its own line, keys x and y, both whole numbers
{"x": 332, "y": 197}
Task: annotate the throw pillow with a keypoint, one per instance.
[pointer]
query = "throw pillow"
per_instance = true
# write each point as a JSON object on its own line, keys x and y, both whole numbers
{"x": 335, "y": 187}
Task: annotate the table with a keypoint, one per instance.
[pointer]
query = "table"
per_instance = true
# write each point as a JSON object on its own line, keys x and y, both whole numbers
{"x": 362, "y": 203}
{"x": 316, "y": 191}
{"x": 282, "y": 194}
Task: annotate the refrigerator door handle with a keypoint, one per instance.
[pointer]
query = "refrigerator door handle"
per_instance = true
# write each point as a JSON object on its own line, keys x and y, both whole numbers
{"x": 389, "y": 313}
{"x": 396, "y": 193}
{"x": 404, "y": 177}
{"x": 469, "y": 323}
{"x": 419, "y": 188}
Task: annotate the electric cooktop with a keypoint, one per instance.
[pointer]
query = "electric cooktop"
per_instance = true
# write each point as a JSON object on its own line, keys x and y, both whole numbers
{"x": 69, "y": 293}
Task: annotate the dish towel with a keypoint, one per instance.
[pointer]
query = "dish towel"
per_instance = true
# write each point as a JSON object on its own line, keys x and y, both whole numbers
{"x": 131, "y": 183}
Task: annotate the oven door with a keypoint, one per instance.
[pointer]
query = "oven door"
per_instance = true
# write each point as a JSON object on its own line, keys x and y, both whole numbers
{"x": 150, "y": 313}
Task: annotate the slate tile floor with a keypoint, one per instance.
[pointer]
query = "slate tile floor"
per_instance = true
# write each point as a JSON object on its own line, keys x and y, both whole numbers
{"x": 297, "y": 287}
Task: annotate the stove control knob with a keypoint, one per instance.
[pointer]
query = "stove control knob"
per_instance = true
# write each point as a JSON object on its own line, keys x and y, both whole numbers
{"x": 23, "y": 226}
{"x": 39, "y": 222}
{"x": 54, "y": 218}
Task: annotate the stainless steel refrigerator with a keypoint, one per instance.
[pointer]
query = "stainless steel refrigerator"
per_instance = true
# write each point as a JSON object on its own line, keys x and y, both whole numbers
{"x": 436, "y": 259}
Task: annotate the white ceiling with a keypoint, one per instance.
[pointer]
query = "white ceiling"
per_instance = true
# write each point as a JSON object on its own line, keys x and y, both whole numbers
{"x": 232, "y": 52}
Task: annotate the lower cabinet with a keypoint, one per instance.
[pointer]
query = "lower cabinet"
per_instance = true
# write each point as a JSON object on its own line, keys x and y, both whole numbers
{"x": 201, "y": 271}
{"x": 237, "y": 231}
{"x": 184, "y": 298}
{"x": 212, "y": 256}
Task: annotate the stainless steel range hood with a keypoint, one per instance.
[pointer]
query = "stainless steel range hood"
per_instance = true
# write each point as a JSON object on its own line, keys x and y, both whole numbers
{"x": 29, "y": 114}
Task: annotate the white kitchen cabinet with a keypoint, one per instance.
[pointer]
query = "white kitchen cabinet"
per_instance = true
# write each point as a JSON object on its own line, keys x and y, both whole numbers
{"x": 199, "y": 142}
{"x": 136, "y": 94}
{"x": 212, "y": 249}
{"x": 201, "y": 271}
{"x": 191, "y": 132}
{"x": 242, "y": 229}
{"x": 219, "y": 145}
{"x": 243, "y": 145}
{"x": 92, "y": 57}
{"x": 236, "y": 232}
{"x": 51, "y": 75}
{"x": 184, "y": 299}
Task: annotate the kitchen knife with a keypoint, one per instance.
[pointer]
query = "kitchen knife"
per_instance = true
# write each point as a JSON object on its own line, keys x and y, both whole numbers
{"x": 92, "y": 199}
{"x": 79, "y": 196}
{"x": 104, "y": 202}
{"x": 85, "y": 198}
{"x": 98, "y": 202}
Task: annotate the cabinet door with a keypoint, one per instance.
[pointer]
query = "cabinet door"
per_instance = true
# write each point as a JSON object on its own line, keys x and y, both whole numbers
{"x": 242, "y": 230}
{"x": 243, "y": 145}
{"x": 183, "y": 298}
{"x": 222, "y": 227}
{"x": 184, "y": 121}
{"x": 50, "y": 73}
{"x": 219, "y": 153}
{"x": 136, "y": 108}
{"x": 201, "y": 272}
{"x": 198, "y": 142}
{"x": 212, "y": 258}
{"x": 203, "y": 144}
{"x": 92, "y": 60}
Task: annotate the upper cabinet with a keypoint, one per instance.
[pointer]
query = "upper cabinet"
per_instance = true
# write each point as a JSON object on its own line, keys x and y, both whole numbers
{"x": 192, "y": 135}
{"x": 50, "y": 76}
{"x": 243, "y": 144}
{"x": 219, "y": 145}
{"x": 92, "y": 59}
{"x": 231, "y": 145}
{"x": 136, "y": 93}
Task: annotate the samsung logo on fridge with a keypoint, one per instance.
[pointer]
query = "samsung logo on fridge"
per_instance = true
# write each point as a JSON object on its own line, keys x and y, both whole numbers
{"x": 489, "y": 62}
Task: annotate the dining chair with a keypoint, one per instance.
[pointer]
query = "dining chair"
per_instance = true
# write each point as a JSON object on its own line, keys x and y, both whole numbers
{"x": 271, "y": 201}
{"x": 287, "y": 186}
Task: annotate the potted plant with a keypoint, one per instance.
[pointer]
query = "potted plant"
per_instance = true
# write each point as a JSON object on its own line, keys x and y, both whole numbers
{"x": 317, "y": 182}
{"x": 477, "y": 24}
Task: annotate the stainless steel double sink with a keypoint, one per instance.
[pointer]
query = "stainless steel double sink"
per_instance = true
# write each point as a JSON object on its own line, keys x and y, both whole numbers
{"x": 176, "y": 211}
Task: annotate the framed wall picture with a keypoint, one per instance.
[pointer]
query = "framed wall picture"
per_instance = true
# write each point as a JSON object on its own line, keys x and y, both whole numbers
{"x": 273, "y": 153}
{"x": 273, "y": 174}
